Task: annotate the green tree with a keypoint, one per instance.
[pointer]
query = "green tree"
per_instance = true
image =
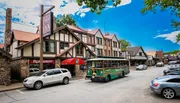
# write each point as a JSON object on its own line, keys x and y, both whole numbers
{"x": 65, "y": 20}
{"x": 173, "y": 5}
{"x": 124, "y": 45}
{"x": 178, "y": 38}
{"x": 97, "y": 5}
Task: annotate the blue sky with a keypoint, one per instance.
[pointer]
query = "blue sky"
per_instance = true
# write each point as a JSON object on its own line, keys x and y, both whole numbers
{"x": 151, "y": 31}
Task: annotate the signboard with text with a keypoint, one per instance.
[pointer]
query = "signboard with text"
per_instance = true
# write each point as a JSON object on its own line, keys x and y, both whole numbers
{"x": 48, "y": 24}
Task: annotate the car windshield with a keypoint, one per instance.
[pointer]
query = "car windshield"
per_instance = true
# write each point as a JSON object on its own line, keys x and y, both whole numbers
{"x": 140, "y": 66}
{"x": 39, "y": 73}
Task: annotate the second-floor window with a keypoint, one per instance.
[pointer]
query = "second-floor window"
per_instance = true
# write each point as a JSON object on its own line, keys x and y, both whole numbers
{"x": 63, "y": 44}
{"x": 109, "y": 53}
{"x": 79, "y": 50}
{"x": 109, "y": 43}
{"x": 99, "y": 40}
{"x": 114, "y": 44}
{"x": 49, "y": 46}
{"x": 119, "y": 45}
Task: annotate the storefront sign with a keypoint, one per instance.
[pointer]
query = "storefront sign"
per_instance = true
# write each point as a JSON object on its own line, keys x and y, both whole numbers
{"x": 47, "y": 24}
{"x": 38, "y": 61}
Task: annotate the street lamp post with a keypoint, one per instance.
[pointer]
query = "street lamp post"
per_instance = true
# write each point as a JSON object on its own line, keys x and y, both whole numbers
{"x": 42, "y": 13}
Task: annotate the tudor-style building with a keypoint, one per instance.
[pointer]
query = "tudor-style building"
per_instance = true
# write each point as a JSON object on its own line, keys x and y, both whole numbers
{"x": 137, "y": 55}
{"x": 87, "y": 37}
{"x": 58, "y": 46}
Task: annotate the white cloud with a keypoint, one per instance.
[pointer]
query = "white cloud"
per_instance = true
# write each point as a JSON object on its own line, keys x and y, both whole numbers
{"x": 123, "y": 2}
{"x": 170, "y": 36}
{"x": 28, "y": 10}
{"x": 95, "y": 21}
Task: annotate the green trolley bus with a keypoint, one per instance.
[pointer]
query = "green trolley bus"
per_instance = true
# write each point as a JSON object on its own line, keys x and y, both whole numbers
{"x": 106, "y": 69}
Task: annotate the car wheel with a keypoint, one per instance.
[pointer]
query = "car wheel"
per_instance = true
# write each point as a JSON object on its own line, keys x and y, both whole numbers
{"x": 38, "y": 85}
{"x": 66, "y": 80}
{"x": 168, "y": 93}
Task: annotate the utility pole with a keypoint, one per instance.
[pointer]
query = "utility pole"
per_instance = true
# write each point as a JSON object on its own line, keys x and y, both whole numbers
{"x": 41, "y": 38}
{"x": 42, "y": 13}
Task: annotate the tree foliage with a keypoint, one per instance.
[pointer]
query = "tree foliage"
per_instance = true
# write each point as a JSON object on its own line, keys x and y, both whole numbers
{"x": 173, "y": 5}
{"x": 124, "y": 45}
{"x": 173, "y": 52}
{"x": 65, "y": 20}
{"x": 97, "y": 5}
{"x": 178, "y": 38}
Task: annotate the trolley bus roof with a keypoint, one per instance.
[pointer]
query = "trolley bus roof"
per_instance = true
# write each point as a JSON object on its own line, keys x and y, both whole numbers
{"x": 106, "y": 59}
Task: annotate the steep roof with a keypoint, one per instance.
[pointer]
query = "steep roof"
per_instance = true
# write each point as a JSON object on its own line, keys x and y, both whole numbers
{"x": 1, "y": 45}
{"x": 24, "y": 36}
{"x": 93, "y": 31}
{"x": 76, "y": 28}
{"x": 36, "y": 39}
{"x": 134, "y": 50}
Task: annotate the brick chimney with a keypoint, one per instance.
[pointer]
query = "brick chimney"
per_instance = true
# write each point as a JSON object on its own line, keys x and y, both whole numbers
{"x": 8, "y": 27}
{"x": 106, "y": 34}
{"x": 8, "y": 19}
{"x": 54, "y": 23}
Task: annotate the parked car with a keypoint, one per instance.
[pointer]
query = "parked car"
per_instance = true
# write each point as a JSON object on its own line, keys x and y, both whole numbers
{"x": 160, "y": 64}
{"x": 174, "y": 73}
{"x": 33, "y": 71}
{"x": 174, "y": 62}
{"x": 171, "y": 69}
{"x": 47, "y": 77}
{"x": 141, "y": 67}
{"x": 167, "y": 86}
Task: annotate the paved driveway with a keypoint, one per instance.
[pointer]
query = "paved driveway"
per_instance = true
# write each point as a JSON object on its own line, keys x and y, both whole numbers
{"x": 134, "y": 88}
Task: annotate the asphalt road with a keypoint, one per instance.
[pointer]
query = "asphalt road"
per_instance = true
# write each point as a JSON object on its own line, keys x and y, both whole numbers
{"x": 134, "y": 88}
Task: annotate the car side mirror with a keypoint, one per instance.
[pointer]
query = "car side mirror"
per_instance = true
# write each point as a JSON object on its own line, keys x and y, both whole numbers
{"x": 44, "y": 75}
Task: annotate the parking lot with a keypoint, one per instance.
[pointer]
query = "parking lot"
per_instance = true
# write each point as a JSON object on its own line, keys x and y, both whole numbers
{"x": 134, "y": 88}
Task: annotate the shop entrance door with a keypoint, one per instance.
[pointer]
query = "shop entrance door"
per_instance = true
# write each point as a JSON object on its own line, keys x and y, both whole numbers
{"x": 71, "y": 68}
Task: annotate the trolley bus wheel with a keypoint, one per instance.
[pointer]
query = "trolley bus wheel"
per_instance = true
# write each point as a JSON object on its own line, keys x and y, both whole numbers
{"x": 123, "y": 74}
{"x": 108, "y": 78}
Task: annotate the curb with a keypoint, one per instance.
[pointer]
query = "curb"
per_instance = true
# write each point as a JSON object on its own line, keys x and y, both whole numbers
{"x": 11, "y": 89}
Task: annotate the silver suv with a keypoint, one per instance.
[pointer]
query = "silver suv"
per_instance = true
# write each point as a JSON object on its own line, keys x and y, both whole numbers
{"x": 46, "y": 77}
{"x": 167, "y": 86}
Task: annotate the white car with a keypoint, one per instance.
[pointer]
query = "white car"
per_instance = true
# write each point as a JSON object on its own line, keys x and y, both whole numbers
{"x": 141, "y": 67}
{"x": 46, "y": 77}
{"x": 160, "y": 64}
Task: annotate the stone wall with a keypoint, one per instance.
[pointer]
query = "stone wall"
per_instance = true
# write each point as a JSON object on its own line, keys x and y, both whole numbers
{"x": 5, "y": 71}
{"x": 22, "y": 67}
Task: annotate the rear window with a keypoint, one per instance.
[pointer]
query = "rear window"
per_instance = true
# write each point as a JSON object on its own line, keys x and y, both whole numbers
{"x": 64, "y": 71}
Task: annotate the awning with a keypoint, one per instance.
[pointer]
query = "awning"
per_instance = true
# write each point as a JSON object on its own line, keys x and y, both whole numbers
{"x": 73, "y": 61}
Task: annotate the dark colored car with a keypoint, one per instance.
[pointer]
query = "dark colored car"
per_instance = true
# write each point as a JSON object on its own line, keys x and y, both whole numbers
{"x": 174, "y": 73}
{"x": 170, "y": 70}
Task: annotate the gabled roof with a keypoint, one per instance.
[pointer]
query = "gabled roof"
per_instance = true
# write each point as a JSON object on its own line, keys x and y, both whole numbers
{"x": 93, "y": 31}
{"x": 79, "y": 42}
{"x": 24, "y": 36}
{"x": 38, "y": 38}
{"x": 76, "y": 28}
{"x": 1, "y": 45}
{"x": 134, "y": 50}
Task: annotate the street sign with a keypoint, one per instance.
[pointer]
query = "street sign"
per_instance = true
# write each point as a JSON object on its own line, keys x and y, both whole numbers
{"x": 47, "y": 24}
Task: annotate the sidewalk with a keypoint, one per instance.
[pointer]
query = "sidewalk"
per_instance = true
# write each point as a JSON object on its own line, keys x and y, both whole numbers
{"x": 13, "y": 86}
